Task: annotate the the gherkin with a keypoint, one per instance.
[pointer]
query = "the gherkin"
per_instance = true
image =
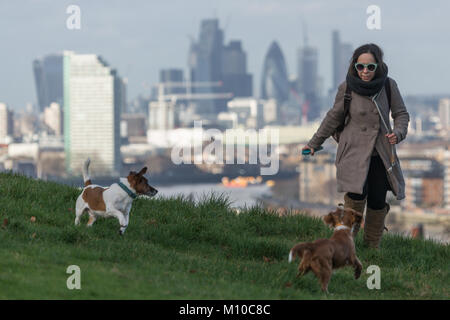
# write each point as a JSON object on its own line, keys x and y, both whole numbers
{"x": 274, "y": 82}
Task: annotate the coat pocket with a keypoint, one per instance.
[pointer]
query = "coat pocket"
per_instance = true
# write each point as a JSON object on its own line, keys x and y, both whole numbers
{"x": 340, "y": 152}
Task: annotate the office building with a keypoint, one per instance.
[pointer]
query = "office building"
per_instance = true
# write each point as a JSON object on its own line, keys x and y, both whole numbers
{"x": 446, "y": 188}
{"x": 53, "y": 118}
{"x": 249, "y": 112}
{"x": 48, "y": 77}
{"x": 171, "y": 78}
{"x": 6, "y": 123}
{"x": 234, "y": 69}
{"x": 205, "y": 65}
{"x": 444, "y": 113}
{"x": 342, "y": 54}
{"x": 309, "y": 86}
{"x": 92, "y": 104}
{"x": 217, "y": 71}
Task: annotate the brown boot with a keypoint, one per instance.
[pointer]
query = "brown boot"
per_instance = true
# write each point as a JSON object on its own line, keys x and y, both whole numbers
{"x": 374, "y": 226}
{"x": 357, "y": 205}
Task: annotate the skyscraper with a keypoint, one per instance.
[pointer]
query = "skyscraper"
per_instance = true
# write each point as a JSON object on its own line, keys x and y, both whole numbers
{"x": 92, "y": 106}
{"x": 444, "y": 113}
{"x": 171, "y": 75}
{"x": 205, "y": 63}
{"x": 234, "y": 69}
{"x": 342, "y": 54}
{"x": 274, "y": 81}
{"x": 120, "y": 92}
{"x": 212, "y": 62}
{"x": 48, "y": 77}
{"x": 309, "y": 80}
{"x": 6, "y": 123}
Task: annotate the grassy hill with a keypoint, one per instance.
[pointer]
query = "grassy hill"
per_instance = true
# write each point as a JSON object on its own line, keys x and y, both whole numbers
{"x": 176, "y": 249}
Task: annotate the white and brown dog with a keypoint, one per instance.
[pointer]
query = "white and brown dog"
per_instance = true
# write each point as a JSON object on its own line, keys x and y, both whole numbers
{"x": 113, "y": 201}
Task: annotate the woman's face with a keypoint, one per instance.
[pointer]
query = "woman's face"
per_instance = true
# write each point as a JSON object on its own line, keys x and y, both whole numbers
{"x": 365, "y": 74}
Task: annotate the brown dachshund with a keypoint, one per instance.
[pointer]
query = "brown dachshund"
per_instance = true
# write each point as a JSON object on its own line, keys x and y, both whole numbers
{"x": 324, "y": 255}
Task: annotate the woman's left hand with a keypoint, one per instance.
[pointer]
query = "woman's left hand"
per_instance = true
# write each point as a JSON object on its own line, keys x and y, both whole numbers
{"x": 392, "y": 138}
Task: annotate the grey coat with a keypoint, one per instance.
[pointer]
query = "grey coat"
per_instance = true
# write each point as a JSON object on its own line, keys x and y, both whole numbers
{"x": 363, "y": 136}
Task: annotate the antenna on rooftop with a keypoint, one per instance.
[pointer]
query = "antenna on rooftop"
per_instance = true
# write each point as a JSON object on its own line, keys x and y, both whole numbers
{"x": 305, "y": 32}
{"x": 227, "y": 23}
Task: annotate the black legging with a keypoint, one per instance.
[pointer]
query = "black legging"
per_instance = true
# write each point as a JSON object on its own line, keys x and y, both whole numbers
{"x": 375, "y": 187}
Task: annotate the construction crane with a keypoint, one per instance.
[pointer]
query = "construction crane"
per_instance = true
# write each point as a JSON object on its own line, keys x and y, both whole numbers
{"x": 182, "y": 84}
{"x": 188, "y": 95}
{"x": 196, "y": 96}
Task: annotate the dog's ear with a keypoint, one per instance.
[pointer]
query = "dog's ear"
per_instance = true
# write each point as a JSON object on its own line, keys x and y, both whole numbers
{"x": 358, "y": 216}
{"x": 329, "y": 219}
{"x": 143, "y": 171}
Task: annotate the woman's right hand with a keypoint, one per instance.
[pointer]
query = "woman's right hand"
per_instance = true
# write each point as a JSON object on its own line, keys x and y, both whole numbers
{"x": 308, "y": 148}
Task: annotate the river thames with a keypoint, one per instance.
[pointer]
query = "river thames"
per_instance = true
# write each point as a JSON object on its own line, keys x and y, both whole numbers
{"x": 239, "y": 197}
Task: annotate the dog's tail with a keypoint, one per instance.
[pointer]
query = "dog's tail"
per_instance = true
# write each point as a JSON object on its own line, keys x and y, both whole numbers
{"x": 86, "y": 177}
{"x": 301, "y": 250}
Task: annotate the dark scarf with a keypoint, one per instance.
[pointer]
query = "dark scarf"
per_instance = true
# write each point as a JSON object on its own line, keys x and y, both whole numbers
{"x": 365, "y": 88}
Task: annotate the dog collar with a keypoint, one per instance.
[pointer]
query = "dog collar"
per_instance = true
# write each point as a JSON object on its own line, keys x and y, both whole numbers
{"x": 130, "y": 193}
{"x": 340, "y": 227}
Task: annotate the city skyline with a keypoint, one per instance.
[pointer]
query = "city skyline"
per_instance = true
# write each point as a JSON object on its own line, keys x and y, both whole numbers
{"x": 37, "y": 30}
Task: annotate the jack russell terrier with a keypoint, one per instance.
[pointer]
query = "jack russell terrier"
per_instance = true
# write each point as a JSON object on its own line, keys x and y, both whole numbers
{"x": 324, "y": 255}
{"x": 113, "y": 201}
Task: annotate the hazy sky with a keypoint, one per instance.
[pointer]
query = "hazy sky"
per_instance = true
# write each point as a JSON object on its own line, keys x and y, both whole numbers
{"x": 139, "y": 38}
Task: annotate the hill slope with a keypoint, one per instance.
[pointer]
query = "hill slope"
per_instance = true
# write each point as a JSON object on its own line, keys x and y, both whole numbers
{"x": 176, "y": 249}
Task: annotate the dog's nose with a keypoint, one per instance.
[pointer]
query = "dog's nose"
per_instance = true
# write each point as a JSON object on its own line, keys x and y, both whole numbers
{"x": 154, "y": 192}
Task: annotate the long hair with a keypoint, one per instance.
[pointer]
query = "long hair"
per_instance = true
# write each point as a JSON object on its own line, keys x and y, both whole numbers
{"x": 375, "y": 51}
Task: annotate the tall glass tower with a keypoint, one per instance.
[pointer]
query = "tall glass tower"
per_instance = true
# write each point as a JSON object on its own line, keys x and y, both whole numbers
{"x": 205, "y": 64}
{"x": 48, "y": 77}
{"x": 274, "y": 82}
{"x": 309, "y": 80}
{"x": 342, "y": 54}
{"x": 212, "y": 62}
{"x": 234, "y": 69}
{"x": 93, "y": 98}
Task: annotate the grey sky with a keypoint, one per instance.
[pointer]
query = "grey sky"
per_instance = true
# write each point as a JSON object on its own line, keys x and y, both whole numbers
{"x": 138, "y": 38}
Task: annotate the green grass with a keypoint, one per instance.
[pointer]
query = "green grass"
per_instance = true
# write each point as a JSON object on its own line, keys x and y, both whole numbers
{"x": 177, "y": 249}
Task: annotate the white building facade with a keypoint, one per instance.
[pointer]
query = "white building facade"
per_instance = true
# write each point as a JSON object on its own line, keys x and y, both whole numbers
{"x": 6, "y": 123}
{"x": 447, "y": 179}
{"x": 444, "y": 113}
{"x": 92, "y": 106}
{"x": 53, "y": 118}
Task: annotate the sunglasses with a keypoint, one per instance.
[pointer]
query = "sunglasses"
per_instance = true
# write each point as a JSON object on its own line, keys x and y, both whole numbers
{"x": 370, "y": 66}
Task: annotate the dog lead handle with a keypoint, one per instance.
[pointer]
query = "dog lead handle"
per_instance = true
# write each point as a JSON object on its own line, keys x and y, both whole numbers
{"x": 308, "y": 151}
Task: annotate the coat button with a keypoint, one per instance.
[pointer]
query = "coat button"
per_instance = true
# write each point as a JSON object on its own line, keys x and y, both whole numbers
{"x": 363, "y": 129}
{"x": 363, "y": 113}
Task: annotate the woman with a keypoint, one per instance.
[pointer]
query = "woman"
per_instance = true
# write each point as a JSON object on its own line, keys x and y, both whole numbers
{"x": 367, "y": 165}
